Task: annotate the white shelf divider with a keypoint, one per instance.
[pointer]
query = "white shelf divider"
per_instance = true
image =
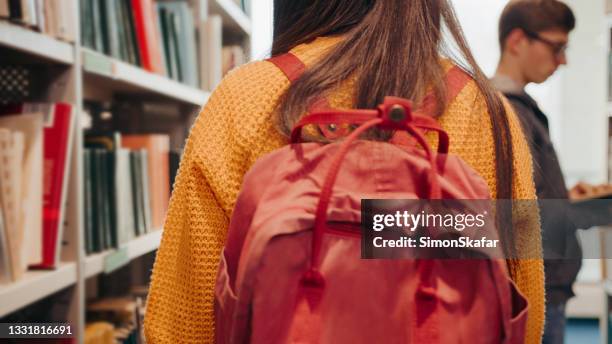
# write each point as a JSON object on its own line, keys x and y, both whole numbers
{"x": 95, "y": 263}
{"x": 34, "y": 286}
{"x": 35, "y": 43}
{"x": 125, "y": 74}
{"x": 233, "y": 16}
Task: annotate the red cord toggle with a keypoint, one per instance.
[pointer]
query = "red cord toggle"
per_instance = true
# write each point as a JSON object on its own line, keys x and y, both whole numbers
{"x": 312, "y": 285}
{"x": 396, "y": 113}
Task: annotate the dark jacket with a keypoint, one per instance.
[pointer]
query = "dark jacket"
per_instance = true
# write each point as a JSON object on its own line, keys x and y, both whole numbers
{"x": 562, "y": 252}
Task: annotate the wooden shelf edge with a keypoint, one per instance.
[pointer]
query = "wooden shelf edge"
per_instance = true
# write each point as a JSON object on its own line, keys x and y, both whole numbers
{"x": 94, "y": 264}
{"x": 232, "y": 14}
{"x": 35, "y": 285}
{"x": 35, "y": 43}
{"x": 108, "y": 67}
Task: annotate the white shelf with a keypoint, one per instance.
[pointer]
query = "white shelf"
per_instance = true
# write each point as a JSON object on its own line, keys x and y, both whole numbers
{"x": 35, "y": 43}
{"x": 34, "y": 286}
{"x": 233, "y": 17}
{"x": 120, "y": 76}
{"x": 94, "y": 264}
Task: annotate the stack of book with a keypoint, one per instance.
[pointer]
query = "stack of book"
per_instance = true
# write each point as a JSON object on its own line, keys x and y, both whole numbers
{"x": 126, "y": 187}
{"x": 158, "y": 36}
{"x": 52, "y": 17}
{"x": 35, "y": 145}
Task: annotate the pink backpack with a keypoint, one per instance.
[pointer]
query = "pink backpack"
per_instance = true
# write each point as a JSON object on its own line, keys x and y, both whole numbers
{"x": 291, "y": 270}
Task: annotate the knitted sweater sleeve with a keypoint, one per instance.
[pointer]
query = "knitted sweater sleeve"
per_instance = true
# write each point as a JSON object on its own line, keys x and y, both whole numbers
{"x": 216, "y": 157}
{"x": 221, "y": 146}
{"x": 528, "y": 270}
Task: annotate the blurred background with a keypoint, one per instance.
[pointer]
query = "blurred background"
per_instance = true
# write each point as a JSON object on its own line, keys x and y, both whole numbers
{"x": 96, "y": 101}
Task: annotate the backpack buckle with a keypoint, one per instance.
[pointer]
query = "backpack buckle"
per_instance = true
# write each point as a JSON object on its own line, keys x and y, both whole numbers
{"x": 396, "y": 113}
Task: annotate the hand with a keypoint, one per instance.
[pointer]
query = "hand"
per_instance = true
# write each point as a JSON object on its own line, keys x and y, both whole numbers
{"x": 584, "y": 190}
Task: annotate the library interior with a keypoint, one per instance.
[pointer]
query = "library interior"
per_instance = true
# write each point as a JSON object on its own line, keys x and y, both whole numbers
{"x": 97, "y": 99}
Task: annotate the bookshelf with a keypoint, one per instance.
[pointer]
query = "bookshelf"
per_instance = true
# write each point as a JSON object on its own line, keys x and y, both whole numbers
{"x": 81, "y": 74}
{"x": 36, "y": 44}
{"x": 95, "y": 263}
{"x": 119, "y": 76}
{"x": 36, "y": 285}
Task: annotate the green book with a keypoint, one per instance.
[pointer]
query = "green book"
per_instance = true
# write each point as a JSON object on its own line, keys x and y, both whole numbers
{"x": 111, "y": 28}
{"x": 174, "y": 44}
{"x": 129, "y": 32}
{"x": 88, "y": 200}
{"x": 165, "y": 20}
{"x": 137, "y": 192}
{"x": 86, "y": 24}
{"x": 98, "y": 212}
{"x": 109, "y": 144}
{"x": 96, "y": 18}
{"x": 183, "y": 29}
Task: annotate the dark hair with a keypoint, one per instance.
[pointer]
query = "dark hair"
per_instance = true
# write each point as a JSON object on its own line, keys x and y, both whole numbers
{"x": 535, "y": 16}
{"x": 393, "y": 48}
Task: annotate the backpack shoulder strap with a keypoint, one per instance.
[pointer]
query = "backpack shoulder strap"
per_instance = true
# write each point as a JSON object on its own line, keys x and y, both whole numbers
{"x": 456, "y": 78}
{"x": 289, "y": 64}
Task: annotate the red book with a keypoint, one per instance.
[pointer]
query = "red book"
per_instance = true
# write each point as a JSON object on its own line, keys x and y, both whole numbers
{"x": 145, "y": 19}
{"x": 57, "y": 146}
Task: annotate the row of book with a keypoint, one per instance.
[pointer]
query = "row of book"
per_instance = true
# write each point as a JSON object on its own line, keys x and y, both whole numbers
{"x": 127, "y": 181}
{"x": 35, "y": 145}
{"x": 158, "y": 36}
{"x": 51, "y": 17}
{"x": 127, "y": 187}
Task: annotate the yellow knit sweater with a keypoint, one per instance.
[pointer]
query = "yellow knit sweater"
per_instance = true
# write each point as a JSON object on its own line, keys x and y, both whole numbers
{"x": 234, "y": 129}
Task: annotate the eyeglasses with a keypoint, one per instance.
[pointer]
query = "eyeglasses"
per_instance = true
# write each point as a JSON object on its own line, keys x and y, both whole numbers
{"x": 557, "y": 48}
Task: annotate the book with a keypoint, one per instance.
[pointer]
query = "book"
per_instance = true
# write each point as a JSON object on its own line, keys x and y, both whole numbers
{"x": 138, "y": 159}
{"x": 165, "y": 23}
{"x": 4, "y": 9}
{"x": 211, "y": 54}
{"x": 105, "y": 156}
{"x": 65, "y": 22}
{"x": 145, "y": 19}
{"x": 11, "y": 156}
{"x": 58, "y": 121}
{"x": 130, "y": 33}
{"x": 96, "y": 20}
{"x": 99, "y": 195}
{"x": 183, "y": 40}
{"x": 112, "y": 29}
{"x": 15, "y": 10}
{"x": 6, "y": 273}
{"x": 124, "y": 197}
{"x": 158, "y": 148}
{"x": 31, "y": 198}
{"x": 51, "y": 18}
{"x": 58, "y": 135}
{"x": 146, "y": 195}
{"x": 40, "y": 16}
{"x": 88, "y": 208}
{"x": 87, "y": 28}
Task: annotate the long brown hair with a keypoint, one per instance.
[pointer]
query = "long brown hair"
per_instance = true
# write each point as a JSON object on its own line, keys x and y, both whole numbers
{"x": 393, "y": 47}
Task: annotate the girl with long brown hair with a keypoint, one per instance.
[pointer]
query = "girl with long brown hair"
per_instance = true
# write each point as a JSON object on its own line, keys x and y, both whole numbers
{"x": 356, "y": 52}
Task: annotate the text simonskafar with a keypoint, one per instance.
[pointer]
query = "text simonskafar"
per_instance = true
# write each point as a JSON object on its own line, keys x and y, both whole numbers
{"x": 409, "y": 222}
{"x": 428, "y": 242}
